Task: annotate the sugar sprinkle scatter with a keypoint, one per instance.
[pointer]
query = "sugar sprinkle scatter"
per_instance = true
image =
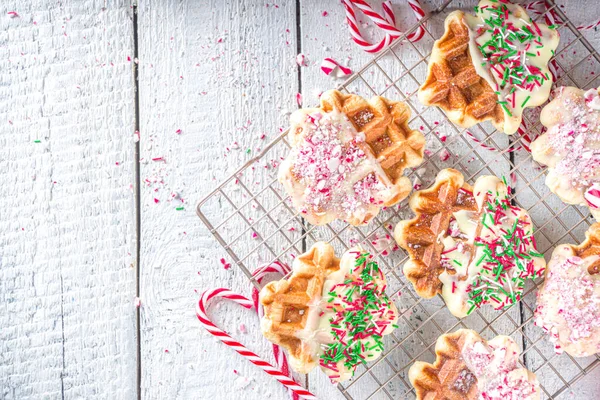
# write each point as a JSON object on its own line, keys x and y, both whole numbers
{"x": 507, "y": 259}
{"x": 362, "y": 314}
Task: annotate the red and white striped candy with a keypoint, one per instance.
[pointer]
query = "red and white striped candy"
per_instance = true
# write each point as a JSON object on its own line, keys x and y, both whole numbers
{"x": 592, "y": 196}
{"x": 237, "y": 346}
{"x": 386, "y": 23}
{"x": 329, "y": 64}
{"x": 283, "y": 374}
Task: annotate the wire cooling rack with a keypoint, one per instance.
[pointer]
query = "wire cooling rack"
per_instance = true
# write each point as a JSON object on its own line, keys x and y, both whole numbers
{"x": 252, "y": 204}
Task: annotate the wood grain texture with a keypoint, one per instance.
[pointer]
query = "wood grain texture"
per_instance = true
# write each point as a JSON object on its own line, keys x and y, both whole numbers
{"x": 220, "y": 72}
{"x": 66, "y": 227}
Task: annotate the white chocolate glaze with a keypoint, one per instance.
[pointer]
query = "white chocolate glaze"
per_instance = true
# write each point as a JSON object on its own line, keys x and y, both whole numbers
{"x": 497, "y": 49}
{"x": 571, "y": 146}
{"x": 496, "y": 367}
{"x": 335, "y": 301}
{"x": 330, "y": 172}
{"x": 470, "y": 270}
{"x": 568, "y": 304}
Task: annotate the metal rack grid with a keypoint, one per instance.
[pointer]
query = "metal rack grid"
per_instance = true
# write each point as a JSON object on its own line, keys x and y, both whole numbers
{"x": 251, "y": 202}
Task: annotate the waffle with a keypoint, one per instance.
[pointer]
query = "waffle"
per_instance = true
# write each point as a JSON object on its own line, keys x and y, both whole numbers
{"x": 434, "y": 208}
{"x": 483, "y": 67}
{"x": 317, "y": 313}
{"x": 468, "y": 367}
{"x": 286, "y": 304}
{"x": 348, "y": 158}
{"x": 569, "y": 147}
{"x": 568, "y": 303}
{"x": 452, "y": 82}
{"x": 469, "y": 244}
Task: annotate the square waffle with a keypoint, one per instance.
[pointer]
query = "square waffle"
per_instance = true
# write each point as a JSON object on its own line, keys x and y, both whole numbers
{"x": 348, "y": 158}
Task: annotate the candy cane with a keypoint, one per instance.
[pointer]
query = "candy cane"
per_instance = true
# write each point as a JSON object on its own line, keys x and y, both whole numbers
{"x": 532, "y": 7}
{"x": 329, "y": 64}
{"x": 386, "y": 23}
{"x": 237, "y": 346}
{"x": 259, "y": 274}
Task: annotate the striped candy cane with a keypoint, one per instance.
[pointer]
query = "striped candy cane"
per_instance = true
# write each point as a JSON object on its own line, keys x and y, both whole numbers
{"x": 259, "y": 274}
{"x": 387, "y": 23}
{"x": 283, "y": 373}
{"x": 329, "y": 64}
{"x": 532, "y": 7}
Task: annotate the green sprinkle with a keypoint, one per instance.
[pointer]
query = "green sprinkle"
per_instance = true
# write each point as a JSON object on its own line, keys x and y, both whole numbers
{"x": 525, "y": 102}
{"x": 179, "y": 208}
{"x": 37, "y": 141}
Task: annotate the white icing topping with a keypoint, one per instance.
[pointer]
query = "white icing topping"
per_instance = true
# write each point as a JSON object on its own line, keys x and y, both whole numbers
{"x": 568, "y": 305}
{"x": 571, "y": 146}
{"x": 518, "y": 43}
{"x": 330, "y": 171}
{"x": 470, "y": 270}
{"x": 496, "y": 368}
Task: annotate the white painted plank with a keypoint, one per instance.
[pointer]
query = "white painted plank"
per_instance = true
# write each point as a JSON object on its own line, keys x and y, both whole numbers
{"x": 220, "y": 72}
{"x": 66, "y": 225}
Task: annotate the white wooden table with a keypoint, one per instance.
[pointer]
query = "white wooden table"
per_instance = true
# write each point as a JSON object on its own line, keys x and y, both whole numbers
{"x": 85, "y": 227}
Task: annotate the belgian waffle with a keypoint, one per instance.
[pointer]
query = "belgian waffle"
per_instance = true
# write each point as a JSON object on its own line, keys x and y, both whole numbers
{"x": 453, "y": 83}
{"x": 348, "y": 158}
{"x": 469, "y": 367}
{"x": 468, "y": 243}
{"x": 332, "y": 312}
{"x": 568, "y": 303}
{"x": 569, "y": 147}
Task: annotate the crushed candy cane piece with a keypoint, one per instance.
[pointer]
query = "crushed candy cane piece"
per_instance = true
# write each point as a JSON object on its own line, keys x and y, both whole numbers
{"x": 301, "y": 60}
{"x": 329, "y": 65}
{"x": 592, "y": 196}
{"x": 444, "y": 155}
{"x": 225, "y": 264}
